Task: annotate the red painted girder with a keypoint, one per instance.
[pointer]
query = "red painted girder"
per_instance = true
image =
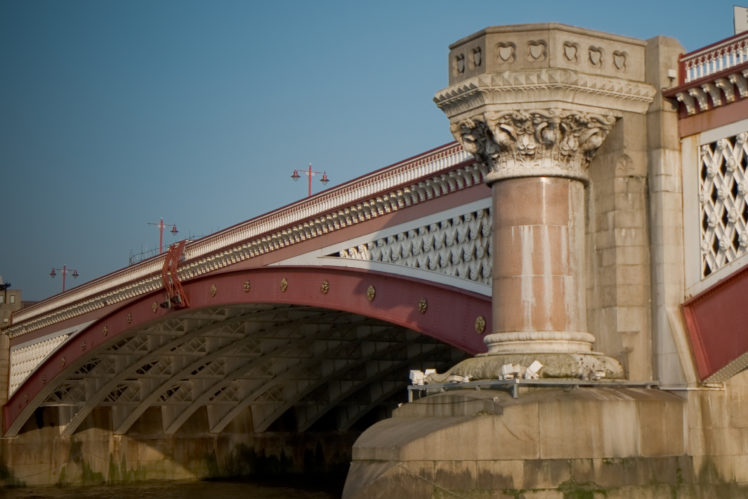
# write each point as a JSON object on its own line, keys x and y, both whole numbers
{"x": 449, "y": 314}
{"x": 717, "y": 321}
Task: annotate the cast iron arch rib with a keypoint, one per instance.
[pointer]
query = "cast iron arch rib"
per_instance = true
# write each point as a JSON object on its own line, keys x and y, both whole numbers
{"x": 153, "y": 357}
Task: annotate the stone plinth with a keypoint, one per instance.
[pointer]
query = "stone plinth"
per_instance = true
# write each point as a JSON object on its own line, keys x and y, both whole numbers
{"x": 610, "y": 441}
{"x": 625, "y": 441}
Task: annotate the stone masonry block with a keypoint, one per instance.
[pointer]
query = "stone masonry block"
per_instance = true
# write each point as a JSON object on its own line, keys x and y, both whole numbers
{"x": 634, "y": 188}
{"x": 546, "y": 473}
{"x": 633, "y": 255}
{"x": 579, "y": 429}
{"x": 632, "y": 295}
{"x": 630, "y": 218}
{"x": 725, "y": 441}
{"x": 515, "y": 429}
{"x": 706, "y": 409}
{"x": 606, "y": 220}
{"x": 608, "y": 257}
{"x": 425, "y": 469}
{"x": 630, "y": 200}
{"x": 631, "y": 318}
{"x": 741, "y": 468}
{"x": 671, "y": 201}
{"x": 604, "y": 239}
{"x": 631, "y": 274}
{"x": 607, "y": 276}
{"x": 665, "y": 183}
{"x": 499, "y": 475}
{"x": 662, "y": 428}
{"x": 738, "y": 408}
{"x": 604, "y": 201}
{"x": 456, "y": 475}
{"x": 608, "y": 296}
{"x": 631, "y": 236}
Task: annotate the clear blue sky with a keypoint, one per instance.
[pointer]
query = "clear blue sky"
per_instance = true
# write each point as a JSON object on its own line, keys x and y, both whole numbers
{"x": 114, "y": 114}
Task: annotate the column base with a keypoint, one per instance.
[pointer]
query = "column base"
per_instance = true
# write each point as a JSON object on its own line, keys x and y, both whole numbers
{"x": 539, "y": 342}
{"x": 591, "y": 365}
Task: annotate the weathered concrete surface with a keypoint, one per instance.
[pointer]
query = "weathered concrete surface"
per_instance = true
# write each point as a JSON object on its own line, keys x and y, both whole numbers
{"x": 41, "y": 457}
{"x": 612, "y": 442}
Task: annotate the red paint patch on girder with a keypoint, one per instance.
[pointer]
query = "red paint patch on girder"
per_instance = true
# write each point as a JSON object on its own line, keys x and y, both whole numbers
{"x": 717, "y": 321}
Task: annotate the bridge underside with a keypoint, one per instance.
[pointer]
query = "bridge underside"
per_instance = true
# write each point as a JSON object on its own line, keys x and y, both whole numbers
{"x": 291, "y": 366}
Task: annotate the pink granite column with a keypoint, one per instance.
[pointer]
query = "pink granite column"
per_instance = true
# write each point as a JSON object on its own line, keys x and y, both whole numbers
{"x": 538, "y": 286}
{"x": 537, "y": 167}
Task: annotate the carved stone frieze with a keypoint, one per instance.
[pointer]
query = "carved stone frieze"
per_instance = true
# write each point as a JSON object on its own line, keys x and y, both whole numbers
{"x": 537, "y": 50}
{"x": 596, "y": 56}
{"x": 477, "y": 57}
{"x": 547, "y": 45}
{"x": 619, "y": 60}
{"x": 570, "y": 51}
{"x": 460, "y": 63}
{"x": 535, "y": 143}
{"x": 505, "y": 52}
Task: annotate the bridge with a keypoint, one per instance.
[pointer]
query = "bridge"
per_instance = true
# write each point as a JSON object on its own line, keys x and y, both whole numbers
{"x": 596, "y": 195}
{"x": 318, "y": 309}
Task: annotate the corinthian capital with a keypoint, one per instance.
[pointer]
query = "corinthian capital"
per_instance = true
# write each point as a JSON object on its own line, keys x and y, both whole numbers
{"x": 534, "y": 143}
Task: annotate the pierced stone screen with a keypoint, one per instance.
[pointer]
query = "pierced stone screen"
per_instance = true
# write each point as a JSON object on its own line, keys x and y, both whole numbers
{"x": 723, "y": 202}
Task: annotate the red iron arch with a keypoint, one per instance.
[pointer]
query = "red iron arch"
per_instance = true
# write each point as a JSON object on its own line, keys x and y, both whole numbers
{"x": 451, "y": 315}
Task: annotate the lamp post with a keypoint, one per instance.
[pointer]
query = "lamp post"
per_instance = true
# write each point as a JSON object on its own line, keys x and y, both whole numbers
{"x": 160, "y": 224}
{"x": 64, "y": 270}
{"x": 309, "y": 173}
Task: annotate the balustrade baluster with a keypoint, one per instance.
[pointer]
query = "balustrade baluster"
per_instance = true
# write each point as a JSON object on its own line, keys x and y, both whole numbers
{"x": 702, "y": 63}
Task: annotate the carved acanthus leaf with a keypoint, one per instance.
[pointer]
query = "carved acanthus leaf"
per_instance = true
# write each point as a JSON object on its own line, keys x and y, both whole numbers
{"x": 540, "y": 142}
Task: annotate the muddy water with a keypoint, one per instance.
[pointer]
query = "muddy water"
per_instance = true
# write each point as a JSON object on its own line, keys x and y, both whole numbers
{"x": 191, "y": 490}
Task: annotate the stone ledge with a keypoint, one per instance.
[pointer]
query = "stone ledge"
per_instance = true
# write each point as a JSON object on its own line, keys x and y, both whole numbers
{"x": 555, "y": 365}
{"x": 665, "y": 477}
{"x": 483, "y": 442}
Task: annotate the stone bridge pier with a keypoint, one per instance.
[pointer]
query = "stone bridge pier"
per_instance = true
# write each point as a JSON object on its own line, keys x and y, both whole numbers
{"x": 538, "y": 171}
{"x": 535, "y": 104}
{"x": 571, "y": 128}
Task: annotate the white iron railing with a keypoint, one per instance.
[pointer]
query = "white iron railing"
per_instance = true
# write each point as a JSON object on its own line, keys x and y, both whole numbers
{"x": 714, "y": 58}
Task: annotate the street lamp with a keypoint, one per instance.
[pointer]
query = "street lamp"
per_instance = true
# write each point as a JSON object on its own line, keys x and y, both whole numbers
{"x": 64, "y": 271}
{"x": 309, "y": 173}
{"x": 161, "y": 226}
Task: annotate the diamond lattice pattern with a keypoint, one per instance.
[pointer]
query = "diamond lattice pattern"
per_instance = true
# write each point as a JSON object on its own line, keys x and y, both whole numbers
{"x": 459, "y": 246}
{"x": 723, "y": 202}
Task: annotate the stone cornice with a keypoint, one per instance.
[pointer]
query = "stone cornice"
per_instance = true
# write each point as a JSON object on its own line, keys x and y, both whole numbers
{"x": 711, "y": 92}
{"x": 712, "y": 77}
{"x": 504, "y": 91}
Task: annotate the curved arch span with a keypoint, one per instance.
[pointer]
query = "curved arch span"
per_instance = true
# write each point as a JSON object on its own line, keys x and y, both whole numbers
{"x": 444, "y": 313}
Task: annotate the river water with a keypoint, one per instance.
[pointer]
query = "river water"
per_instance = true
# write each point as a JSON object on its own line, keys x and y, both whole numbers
{"x": 180, "y": 490}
